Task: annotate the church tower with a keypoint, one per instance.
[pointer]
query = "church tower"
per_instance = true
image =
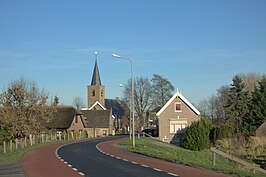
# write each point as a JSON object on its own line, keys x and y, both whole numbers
{"x": 96, "y": 89}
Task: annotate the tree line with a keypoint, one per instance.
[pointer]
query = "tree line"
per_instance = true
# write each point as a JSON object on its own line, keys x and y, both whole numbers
{"x": 237, "y": 111}
{"x": 240, "y": 104}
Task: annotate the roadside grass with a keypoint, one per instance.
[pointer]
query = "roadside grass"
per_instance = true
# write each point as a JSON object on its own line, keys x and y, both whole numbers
{"x": 15, "y": 156}
{"x": 201, "y": 159}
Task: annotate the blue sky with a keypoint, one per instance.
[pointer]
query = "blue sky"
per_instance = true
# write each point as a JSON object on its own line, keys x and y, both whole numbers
{"x": 197, "y": 45}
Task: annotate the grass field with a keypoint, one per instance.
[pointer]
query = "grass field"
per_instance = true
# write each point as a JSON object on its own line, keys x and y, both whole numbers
{"x": 201, "y": 159}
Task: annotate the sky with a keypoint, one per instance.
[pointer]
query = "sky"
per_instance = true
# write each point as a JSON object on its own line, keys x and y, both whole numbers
{"x": 197, "y": 45}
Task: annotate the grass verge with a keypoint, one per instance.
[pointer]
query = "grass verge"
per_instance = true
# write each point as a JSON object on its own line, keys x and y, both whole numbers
{"x": 15, "y": 156}
{"x": 201, "y": 159}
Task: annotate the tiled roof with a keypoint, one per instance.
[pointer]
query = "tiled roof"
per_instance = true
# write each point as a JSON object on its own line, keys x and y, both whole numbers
{"x": 63, "y": 117}
{"x": 116, "y": 106}
{"x": 97, "y": 118}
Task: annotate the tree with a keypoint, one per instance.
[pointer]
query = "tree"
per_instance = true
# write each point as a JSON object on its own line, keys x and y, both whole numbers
{"x": 25, "y": 110}
{"x": 257, "y": 113}
{"x": 214, "y": 107}
{"x": 162, "y": 90}
{"x": 197, "y": 135}
{"x": 142, "y": 96}
{"x": 78, "y": 103}
{"x": 56, "y": 101}
{"x": 251, "y": 81}
{"x": 237, "y": 104}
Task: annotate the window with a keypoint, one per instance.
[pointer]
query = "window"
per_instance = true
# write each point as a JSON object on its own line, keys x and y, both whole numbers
{"x": 104, "y": 132}
{"x": 176, "y": 126}
{"x": 178, "y": 107}
{"x": 93, "y": 93}
{"x": 102, "y": 93}
{"x": 76, "y": 119}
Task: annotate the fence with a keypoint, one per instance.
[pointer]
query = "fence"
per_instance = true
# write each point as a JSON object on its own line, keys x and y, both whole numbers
{"x": 12, "y": 145}
{"x": 235, "y": 159}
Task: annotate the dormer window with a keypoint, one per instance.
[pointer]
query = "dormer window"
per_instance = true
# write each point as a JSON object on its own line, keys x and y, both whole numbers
{"x": 178, "y": 107}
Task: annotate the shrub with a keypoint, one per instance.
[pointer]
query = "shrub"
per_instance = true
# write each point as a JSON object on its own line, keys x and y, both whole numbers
{"x": 197, "y": 135}
{"x": 220, "y": 132}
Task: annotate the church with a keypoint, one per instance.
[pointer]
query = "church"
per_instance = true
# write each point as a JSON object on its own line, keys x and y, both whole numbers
{"x": 103, "y": 116}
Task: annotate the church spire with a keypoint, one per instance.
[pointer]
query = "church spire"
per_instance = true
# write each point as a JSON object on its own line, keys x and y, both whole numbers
{"x": 96, "y": 80}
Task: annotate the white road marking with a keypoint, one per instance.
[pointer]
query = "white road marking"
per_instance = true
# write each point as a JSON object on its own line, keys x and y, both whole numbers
{"x": 156, "y": 169}
{"x": 172, "y": 174}
{"x": 82, "y": 174}
{"x": 145, "y": 166}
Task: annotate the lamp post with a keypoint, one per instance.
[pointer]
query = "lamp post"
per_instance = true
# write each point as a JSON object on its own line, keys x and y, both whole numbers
{"x": 132, "y": 97}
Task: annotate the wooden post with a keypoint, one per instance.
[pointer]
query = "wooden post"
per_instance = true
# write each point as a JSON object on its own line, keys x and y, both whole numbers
{"x": 25, "y": 141}
{"x": 16, "y": 141}
{"x": 4, "y": 147}
{"x": 214, "y": 158}
{"x": 21, "y": 143}
{"x": 10, "y": 145}
{"x": 34, "y": 139}
{"x": 31, "y": 140}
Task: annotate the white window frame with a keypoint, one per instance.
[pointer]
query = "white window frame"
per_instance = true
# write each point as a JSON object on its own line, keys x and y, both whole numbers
{"x": 180, "y": 107}
{"x": 177, "y": 126}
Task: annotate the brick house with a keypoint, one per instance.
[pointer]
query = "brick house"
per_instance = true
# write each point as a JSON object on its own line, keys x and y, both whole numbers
{"x": 174, "y": 118}
{"x": 66, "y": 119}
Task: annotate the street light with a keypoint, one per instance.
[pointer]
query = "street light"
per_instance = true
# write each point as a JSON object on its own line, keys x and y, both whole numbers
{"x": 132, "y": 96}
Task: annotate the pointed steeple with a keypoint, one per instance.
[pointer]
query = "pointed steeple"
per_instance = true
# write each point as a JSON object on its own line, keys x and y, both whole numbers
{"x": 96, "y": 80}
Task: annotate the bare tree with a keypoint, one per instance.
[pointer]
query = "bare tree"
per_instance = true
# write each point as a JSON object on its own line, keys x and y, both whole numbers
{"x": 142, "y": 96}
{"x": 25, "y": 110}
{"x": 251, "y": 81}
{"x": 214, "y": 107}
{"x": 78, "y": 103}
{"x": 162, "y": 90}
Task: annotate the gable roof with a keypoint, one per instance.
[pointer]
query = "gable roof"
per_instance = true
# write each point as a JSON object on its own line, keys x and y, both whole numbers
{"x": 96, "y": 80}
{"x": 117, "y": 107}
{"x": 62, "y": 117}
{"x": 96, "y": 118}
{"x": 96, "y": 103}
{"x": 178, "y": 94}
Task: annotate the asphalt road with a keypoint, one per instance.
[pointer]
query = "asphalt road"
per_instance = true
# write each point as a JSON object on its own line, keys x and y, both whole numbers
{"x": 88, "y": 160}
